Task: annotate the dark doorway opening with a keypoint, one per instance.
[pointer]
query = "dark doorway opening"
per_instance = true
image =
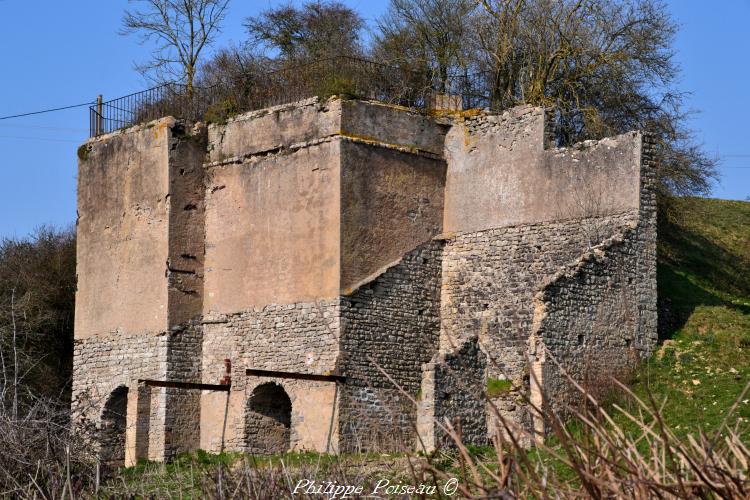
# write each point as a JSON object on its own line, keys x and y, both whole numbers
{"x": 269, "y": 420}
{"x": 112, "y": 430}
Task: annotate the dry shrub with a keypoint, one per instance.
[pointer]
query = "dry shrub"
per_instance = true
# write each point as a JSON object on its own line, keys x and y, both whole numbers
{"x": 249, "y": 477}
{"x": 592, "y": 455}
{"x": 39, "y": 455}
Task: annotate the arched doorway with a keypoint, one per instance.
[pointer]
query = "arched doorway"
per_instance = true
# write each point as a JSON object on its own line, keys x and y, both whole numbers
{"x": 269, "y": 420}
{"x": 112, "y": 429}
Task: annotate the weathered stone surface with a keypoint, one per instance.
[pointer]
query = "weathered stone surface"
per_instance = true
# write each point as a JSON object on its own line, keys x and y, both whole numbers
{"x": 500, "y": 173}
{"x": 453, "y": 399}
{"x": 389, "y": 328}
{"x": 398, "y": 256}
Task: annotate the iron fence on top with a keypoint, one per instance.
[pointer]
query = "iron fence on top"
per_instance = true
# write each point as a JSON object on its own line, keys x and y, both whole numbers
{"x": 325, "y": 77}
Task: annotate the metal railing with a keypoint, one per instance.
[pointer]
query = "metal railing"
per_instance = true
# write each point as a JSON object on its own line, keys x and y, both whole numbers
{"x": 336, "y": 75}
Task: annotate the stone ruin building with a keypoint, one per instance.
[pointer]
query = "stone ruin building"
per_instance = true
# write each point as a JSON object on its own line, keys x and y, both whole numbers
{"x": 283, "y": 280}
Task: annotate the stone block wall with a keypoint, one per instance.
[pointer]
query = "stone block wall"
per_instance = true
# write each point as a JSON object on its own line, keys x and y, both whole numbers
{"x": 453, "y": 398}
{"x": 389, "y": 325}
{"x": 297, "y": 338}
{"x": 182, "y": 415}
{"x": 596, "y": 317}
{"x": 339, "y": 236}
{"x": 489, "y": 281}
{"x": 101, "y": 365}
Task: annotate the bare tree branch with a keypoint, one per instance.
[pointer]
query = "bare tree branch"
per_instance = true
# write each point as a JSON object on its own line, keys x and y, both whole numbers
{"x": 180, "y": 29}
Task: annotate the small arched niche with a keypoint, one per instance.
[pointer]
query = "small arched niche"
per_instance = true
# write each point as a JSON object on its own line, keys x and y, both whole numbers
{"x": 269, "y": 419}
{"x": 112, "y": 429}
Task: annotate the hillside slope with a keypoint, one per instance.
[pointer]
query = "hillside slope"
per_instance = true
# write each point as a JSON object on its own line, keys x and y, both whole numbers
{"x": 704, "y": 294}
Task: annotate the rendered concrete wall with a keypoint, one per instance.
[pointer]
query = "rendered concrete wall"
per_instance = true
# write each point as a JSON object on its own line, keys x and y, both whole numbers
{"x": 314, "y": 417}
{"x": 391, "y": 202}
{"x": 325, "y": 193}
{"x": 123, "y": 219}
{"x": 501, "y": 174}
{"x": 282, "y": 245}
{"x": 393, "y": 126}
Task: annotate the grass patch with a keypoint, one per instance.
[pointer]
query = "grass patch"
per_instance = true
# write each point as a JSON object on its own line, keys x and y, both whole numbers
{"x": 83, "y": 152}
{"x": 704, "y": 288}
{"x": 498, "y": 387}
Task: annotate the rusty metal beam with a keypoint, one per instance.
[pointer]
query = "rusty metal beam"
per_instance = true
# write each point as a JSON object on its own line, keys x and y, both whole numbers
{"x": 291, "y": 375}
{"x": 186, "y": 385}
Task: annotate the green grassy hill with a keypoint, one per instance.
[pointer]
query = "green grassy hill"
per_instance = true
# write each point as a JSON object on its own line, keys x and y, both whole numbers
{"x": 704, "y": 294}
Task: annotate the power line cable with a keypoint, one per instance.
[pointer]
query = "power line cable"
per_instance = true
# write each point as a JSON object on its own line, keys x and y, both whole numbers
{"x": 48, "y": 139}
{"x": 47, "y": 111}
{"x": 34, "y": 126}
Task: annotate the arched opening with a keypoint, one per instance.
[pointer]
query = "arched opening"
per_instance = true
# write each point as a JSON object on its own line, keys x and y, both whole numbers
{"x": 112, "y": 430}
{"x": 269, "y": 420}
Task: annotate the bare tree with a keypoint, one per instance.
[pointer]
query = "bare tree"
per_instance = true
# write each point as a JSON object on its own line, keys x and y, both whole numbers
{"x": 315, "y": 30}
{"x": 606, "y": 65}
{"x": 37, "y": 290}
{"x": 426, "y": 35}
{"x": 181, "y": 30}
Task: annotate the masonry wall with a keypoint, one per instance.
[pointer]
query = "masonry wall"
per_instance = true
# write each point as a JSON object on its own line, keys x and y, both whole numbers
{"x": 104, "y": 363}
{"x": 596, "y": 318}
{"x": 489, "y": 282}
{"x": 185, "y": 261}
{"x": 516, "y": 212}
{"x": 299, "y": 338}
{"x": 140, "y": 252}
{"x": 390, "y": 327}
{"x": 323, "y": 195}
{"x": 182, "y": 415}
{"x": 453, "y": 400}
{"x": 273, "y": 274}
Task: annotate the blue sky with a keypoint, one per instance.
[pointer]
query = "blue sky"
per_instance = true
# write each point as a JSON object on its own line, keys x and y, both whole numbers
{"x": 57, "y": 53}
